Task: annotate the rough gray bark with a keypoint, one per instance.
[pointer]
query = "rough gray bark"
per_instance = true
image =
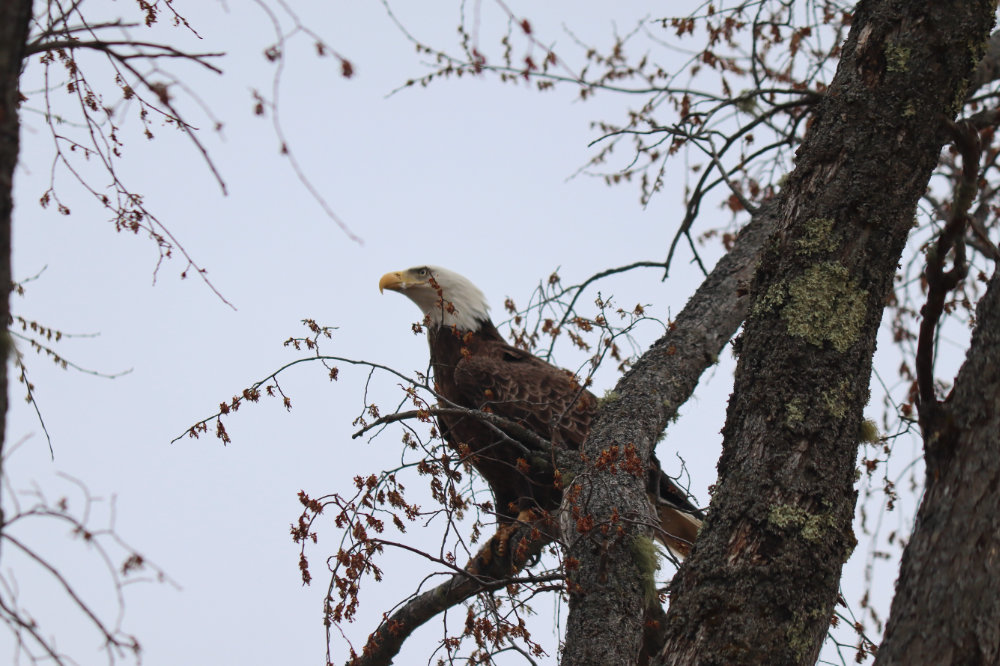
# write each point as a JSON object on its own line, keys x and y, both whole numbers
{"x": 606, "y": 618}
{"x": 947, "y": 607}
{"x": 14, "y": 18}
{"x": 761, "y": 583}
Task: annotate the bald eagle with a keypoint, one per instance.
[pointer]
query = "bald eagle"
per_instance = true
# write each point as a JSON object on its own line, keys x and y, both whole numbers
{"x": 475, "y": 368}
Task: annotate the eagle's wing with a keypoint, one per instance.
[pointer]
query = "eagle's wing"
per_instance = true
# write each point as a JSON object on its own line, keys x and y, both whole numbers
{"x": 523, "y": 388}
{"x": 516, "y": 385}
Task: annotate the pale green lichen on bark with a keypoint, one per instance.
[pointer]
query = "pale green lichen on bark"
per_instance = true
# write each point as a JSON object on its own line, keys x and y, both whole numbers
{"x": 869, "y": 432}
{"x": 812, "y": 527}
{"x": 835, "y": 399}
{"x": 771, "y": 300}
{"x": 609, "y": 396}
{"x": 799, "y": 634}
{"x": 896, "y": 57}
{"x": 818, "y": 236}
{"x": 647, "y": 560}
{"x": 795, "y": 412}
{"x": 978, "y": 48}
{"x": 852, "y": 542}
{"x": 961, "y": 93}
{"x": 825, "y": 305}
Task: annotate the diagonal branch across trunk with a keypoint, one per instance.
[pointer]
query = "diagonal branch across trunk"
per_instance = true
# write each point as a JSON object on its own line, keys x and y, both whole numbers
{"x": 607, "y": 590}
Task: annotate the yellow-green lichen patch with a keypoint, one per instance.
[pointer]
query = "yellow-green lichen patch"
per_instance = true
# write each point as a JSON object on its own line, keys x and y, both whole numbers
{"x": 835, "y": 399}
{"x": 800, "y": 640}
{"x": 852, "y": 542}
{"x": 978, "y": 48}
{"x": 869, "y": 432}
{"x": 825, "y": 305}
{"x": 610, "y": 396}
{"x": 896, "y": 57}
{"x": 647, "y": 560}
{"x": 818, "y": 236}
{"x": 965, "y": 194}
{"x": 772, "y": 300}
{"x": 795, "y": 412}
{"x": 812, "y": 527}
{"x": 961, "y": 95}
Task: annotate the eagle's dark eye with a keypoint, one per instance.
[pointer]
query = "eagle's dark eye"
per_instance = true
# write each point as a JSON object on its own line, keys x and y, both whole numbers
{"x": 422, "y": 272}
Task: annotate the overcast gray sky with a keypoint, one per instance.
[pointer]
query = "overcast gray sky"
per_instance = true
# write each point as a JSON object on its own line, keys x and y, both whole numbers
{"x": 467, "y": 174}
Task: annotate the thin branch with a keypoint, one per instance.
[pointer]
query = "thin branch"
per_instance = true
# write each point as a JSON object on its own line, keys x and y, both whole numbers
{"x": 286, "y": 150}
{"x": 31, "y": 398}
{"x": 32, "y": 628}
{"x": 80, "y": 603}
{"x": 504, "y": 424}
{"x": 106, "y": 46}
{"x": 202, "y": 425}
{"x": 61, "y": 360}
{"x": 939, "y": 282}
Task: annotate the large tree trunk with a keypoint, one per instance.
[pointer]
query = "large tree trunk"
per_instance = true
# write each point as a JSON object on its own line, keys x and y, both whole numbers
{"x": 762, "y": 581}
{"x": 947, "y": 604}
{"x": 14, "y": 19}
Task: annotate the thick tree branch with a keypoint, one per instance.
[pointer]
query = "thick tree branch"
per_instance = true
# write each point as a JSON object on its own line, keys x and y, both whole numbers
{"x": 608, "y": 617}
{"x": 491, "y": 569}
{"x": 946, "y": 609}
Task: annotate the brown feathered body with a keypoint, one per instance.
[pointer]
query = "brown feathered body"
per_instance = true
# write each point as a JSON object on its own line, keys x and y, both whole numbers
{"x": 479, "y": 370}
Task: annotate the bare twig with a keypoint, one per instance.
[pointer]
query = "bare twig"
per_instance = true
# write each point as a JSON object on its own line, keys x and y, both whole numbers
{"x": 940, "y": 282}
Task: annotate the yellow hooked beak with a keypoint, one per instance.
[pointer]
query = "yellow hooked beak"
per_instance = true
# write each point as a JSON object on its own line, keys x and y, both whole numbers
{"x": 403, "y": 280}
{"x": 395, "y": 281}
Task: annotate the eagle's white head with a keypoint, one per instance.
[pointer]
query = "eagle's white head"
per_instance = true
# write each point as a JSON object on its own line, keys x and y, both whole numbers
{"x": 445, "y": 297}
